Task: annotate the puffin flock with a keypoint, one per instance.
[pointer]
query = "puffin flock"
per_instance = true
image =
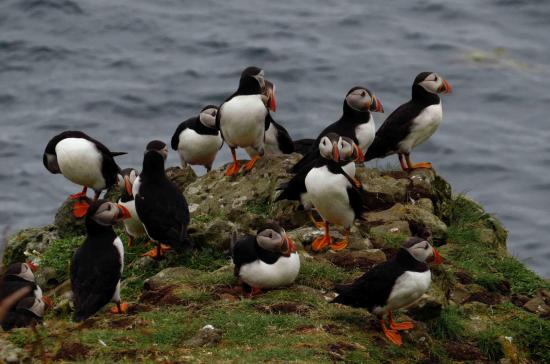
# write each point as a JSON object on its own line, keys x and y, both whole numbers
{"x": 323, "y": 181}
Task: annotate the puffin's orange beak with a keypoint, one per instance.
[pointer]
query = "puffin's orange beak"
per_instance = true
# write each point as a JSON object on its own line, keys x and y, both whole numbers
{"x": 291, "y": 247}
{"x": 335, "y": 152}
{"x": 437, "y": 257}
{"x": 360, "y": 156}
{"x": 445, "y": 87}
{"x": 124, "y": 212}
{"x": 32, "y": 266}
{"x": 376, "y": 106}
{"x": 48, "y": 301}
{"x": 272, "y": 99}
{"x": 128, "y": 185}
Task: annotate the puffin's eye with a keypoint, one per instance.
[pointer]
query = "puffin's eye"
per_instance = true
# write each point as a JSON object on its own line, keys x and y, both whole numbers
{"x": 363, "y": 94}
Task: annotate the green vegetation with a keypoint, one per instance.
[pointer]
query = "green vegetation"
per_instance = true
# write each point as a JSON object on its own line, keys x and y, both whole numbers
{"x": 60, "y": 253}
{"x": 449, "y": 326}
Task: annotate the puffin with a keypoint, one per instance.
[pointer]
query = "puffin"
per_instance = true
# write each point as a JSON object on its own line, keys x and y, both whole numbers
{"x": 133, "y": 226}
{"x": 356, "y": 123}
{"x": 160, "y": 205}
{"x": 394, "y": 284}
{"x": 243, "y": 118}
{"x": 295, "y": 189}
{"x": 336, "y": 196}
{"x": 265, "y": 260}
{"x": 197, "y": 140}
{"x": 277, "y": 139}
{"x": 28, "y": 311}
{"x": 412, "y": 123}
{"x": 84, "y": 161}
{"x": 97, "y": 265}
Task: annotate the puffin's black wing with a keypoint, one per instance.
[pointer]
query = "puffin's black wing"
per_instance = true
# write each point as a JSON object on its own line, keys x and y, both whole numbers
{"x": 371, "y": 289}
{"x": 176, "y": 137}
{"x": 244, "y": 251}
{"x": 293, "y": 189}
{"x": 94, "y": 276}
{"x": 394, "y": 129}
{"x": 165, "y": 214}
{"x": 9, "y": 287}
{"x": 303, "y": 146}
{"x": 286, "y": 145}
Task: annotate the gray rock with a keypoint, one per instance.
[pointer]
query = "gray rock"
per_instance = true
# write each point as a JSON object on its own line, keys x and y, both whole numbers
{"x": 207, "y": 336}
{"x": 29, "y": 240}
{"x": 10, "y": 354}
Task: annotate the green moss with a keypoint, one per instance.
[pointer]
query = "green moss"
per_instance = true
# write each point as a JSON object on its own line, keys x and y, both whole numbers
{"x": 449, "y": 325}
{"x": 320, "y": 274}
{"x": 532, "y": 334}
{"x": 59, "y": 255}
{"x": 262, "y": 208}
{"x": 487, "y": 342}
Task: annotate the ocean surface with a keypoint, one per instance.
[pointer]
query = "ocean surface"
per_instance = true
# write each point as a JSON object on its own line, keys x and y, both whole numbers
{"x": 129, "y": 71}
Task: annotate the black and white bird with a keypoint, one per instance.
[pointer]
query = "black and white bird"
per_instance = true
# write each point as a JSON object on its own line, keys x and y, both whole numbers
{"x": 197, "y": 140}
{"x": 266, "y": 260}
{"x": 97, "y": 265}
{"x": 277, "y": 139}
{"x": 295, "y": 189}
{"x": 17, "y": 276}
{"x": 161, "y": 207}
{"x": 242, "y": 118}
{"x": 133, "y": 226}
{"x": 394, "y": 284}
{"x": 84, "y": 161}
{"x": 356, "y": 123}
{"x": 28, "y": 311}
{"x": 336, "y": 196}
{"x": 412, "y": 123}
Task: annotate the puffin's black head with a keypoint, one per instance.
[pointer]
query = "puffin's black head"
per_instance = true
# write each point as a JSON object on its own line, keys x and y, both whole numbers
{"x": 432, "y": 83}
{"x": 421, "y": 250}
{"x": 24, "y": 271}
{"x": 105, "y": 213}
{"x": 125, "y": 181}
{"x": 271, "y": 236}
{"x": 207, "y": 116}
{"x": 159, "y": 147}
{"x": 361, "y": 99}
{"x": 328, "y": 147}
{"x": 348, "y": 149}
{"x": 252, "y": 81}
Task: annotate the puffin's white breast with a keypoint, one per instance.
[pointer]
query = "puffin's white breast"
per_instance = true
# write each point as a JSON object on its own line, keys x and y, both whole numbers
{"x": 423, "y": 127}
{"x": 243, "y": 121}
{"x": 328, "y": 193}
{"x": 195, "y": 148}
{"x": 133, "y": 225}
{"x": 365, "y": 134}
{"x": 262, "y": 275}
{"x": 80, "y": 162}
{"x": 408, "y": 288}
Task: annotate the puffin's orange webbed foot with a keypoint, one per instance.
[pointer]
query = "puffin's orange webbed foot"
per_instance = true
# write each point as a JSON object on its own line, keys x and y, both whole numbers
{"x": 340, "y": 245}
{"x": 392, "y": 335}
{"x": 120, "y": 308}
{"x": 426, "y": 165}
{"x": 255, "y": 292}
{"x": 157, "y": 252}
{"x": 232, "y": 169}
{"x": 250, "y": 164}
{"x": 357, "y": 183}
{"x": 321, "y": 243}
{"x": 399, "y": 326}
{"x": 80, "y": 209}
{"x": 76, "y": 196}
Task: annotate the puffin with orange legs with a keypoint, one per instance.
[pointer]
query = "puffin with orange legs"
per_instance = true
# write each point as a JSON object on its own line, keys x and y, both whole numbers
{"x": 267, "y": 260}
{"x": 96, "y": 267}
{"x": 394, "y": 284}
{"x": 84, "y": 161}
{"x": 243, "y": 118}
{"x": 337, "y": 197}
{"x": 412, "y": 123}
{"x": 160, "y": 205}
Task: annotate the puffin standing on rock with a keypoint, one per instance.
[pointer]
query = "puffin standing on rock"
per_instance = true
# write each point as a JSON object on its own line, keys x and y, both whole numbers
{"x": 133, "y": 226}
{"x": 161, "y": 207}
{"x": 394, "y": 284}
{"x": 356, "y": 123}
{"x": 412, "y": 123}
{"x": 96, "y": 267}
{"x": 84, "y": 161}
{"x": 277, "y": 138}
{"x": 197, "y": 140}
{"x": 267, "y": 260}
{"x": 242, "y": 118}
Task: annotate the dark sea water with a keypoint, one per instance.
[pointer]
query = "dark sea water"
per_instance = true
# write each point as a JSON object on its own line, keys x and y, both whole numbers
{"x": 129, "y": 71}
